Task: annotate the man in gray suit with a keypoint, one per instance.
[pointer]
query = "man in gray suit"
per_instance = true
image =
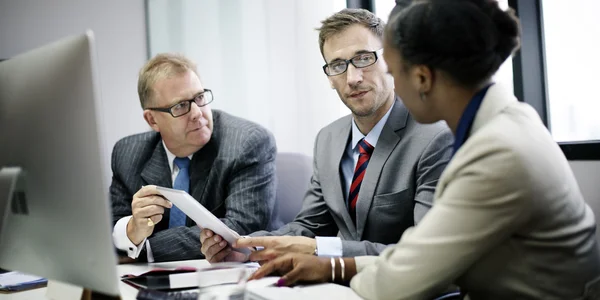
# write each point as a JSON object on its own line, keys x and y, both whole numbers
{"x": 374, "y": 171}
{"x": 224, "y": 162}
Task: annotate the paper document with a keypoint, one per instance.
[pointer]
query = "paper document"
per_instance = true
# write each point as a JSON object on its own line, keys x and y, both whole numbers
{"x": 14, "y": 281}
{"x": 215, "y": 274}
{"x": 223, "y": 276}
{"x": 200, "y": 215}
{"x": 212, "y": 275}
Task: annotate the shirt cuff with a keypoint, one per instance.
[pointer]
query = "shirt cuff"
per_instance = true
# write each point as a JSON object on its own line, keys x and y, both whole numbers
{"x": 121, "y": 240}
{"x": 329, "y": 246}
{"x": 149, "y": 254}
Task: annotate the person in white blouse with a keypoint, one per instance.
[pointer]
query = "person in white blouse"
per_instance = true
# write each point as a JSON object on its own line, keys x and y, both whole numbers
{"x": 508, "y": 220}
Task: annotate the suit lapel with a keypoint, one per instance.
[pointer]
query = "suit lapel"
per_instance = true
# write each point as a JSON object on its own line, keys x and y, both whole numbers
{"x": 200, "y": 168}
{"x": 339, "y": 202}
{"x": 157, "y": 170}
{"x": 202, "y": 162}
{"x": 495, "y": 100}
{"x": 390, "y": 136}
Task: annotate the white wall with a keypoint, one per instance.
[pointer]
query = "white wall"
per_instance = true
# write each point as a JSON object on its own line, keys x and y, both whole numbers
{"x": 120, "y": 31}
{"x": 261, "y": 58}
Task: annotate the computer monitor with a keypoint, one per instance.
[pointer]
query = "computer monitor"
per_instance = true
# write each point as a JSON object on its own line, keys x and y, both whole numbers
{"x": 57, "y": 222}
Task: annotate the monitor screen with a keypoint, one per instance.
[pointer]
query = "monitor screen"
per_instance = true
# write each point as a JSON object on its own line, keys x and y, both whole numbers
{"x": 56, "y": 221}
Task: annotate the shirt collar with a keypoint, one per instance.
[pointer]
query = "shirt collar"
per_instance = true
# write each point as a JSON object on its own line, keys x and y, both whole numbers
{"x": 373, "y": 135}
{"x": 467, "y": 118}
{"x": 171, "y": 157}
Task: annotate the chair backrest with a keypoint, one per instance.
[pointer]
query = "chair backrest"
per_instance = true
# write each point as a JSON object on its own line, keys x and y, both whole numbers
{"x": 587, "y": 174}
{"x": 293, "y": 177}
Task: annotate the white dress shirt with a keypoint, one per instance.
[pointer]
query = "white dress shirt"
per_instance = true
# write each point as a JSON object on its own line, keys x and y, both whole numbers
{"x": 332, "y": 246}
{"x": 122, "y": 242}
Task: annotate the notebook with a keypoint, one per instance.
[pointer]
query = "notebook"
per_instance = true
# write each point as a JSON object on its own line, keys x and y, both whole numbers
{"x": 16, "y": 281}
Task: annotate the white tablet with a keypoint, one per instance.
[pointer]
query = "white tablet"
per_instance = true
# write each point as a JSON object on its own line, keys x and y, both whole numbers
{"x": 200, "y": 215}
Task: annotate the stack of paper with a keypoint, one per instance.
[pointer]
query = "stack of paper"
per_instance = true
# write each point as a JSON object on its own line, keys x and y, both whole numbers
{"x": 186, "y": 277}
{"x": 15, "y": 281}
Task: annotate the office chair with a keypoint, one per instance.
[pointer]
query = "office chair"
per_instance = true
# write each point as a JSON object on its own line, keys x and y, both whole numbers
{"x": 293, "y": 176}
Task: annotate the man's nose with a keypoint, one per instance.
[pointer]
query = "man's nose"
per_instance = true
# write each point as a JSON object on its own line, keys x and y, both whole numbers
{"x": 354, "y": 75}
{"x": 196, "y": 111}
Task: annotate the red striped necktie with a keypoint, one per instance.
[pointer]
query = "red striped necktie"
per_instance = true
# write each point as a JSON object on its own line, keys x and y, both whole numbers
{"x": 365, "y": 149}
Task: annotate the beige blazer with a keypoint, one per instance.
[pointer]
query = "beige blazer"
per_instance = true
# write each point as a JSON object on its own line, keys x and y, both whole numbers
{"x": 508, "y": 221}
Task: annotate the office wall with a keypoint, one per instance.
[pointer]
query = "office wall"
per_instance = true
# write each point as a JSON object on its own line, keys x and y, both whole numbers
{"x": 261, "y": 58}
{"x": 120, "y": 31}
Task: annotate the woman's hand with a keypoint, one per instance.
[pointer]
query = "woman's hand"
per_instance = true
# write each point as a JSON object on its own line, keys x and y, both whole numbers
{"x": 296, "y": 267}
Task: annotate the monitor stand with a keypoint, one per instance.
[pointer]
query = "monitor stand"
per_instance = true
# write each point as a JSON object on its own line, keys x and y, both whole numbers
{"x": 10, "y": 180}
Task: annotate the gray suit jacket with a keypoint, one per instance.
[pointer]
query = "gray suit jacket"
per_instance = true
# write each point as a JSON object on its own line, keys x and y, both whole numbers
{"x": 397, "y": 188}
{"x": 509, "y": 221}
{"x": 233, "y": 176}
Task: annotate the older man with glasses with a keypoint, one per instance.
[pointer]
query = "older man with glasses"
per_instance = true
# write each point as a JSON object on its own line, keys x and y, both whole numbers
{"x": 374, "y": 171}
{"x": 226, "y": 163}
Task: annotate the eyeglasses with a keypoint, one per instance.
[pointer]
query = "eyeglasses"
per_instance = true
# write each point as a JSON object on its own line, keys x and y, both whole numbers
{"x": 362, "y": 60}
{"x": 183, "y": 107}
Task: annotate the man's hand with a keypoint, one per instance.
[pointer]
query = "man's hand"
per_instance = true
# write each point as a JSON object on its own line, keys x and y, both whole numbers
{"x": 148, "y": 207}
{"x": 275, "y": 246}
{"x": 216, "y": 249}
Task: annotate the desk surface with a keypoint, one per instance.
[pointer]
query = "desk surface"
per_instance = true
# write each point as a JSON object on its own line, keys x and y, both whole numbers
{"x": 321, "y": 291}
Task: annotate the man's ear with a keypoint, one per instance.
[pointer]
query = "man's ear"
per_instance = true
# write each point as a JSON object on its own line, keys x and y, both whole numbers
{"x": 423, "y": 78}
{"x": 149, "y": 117}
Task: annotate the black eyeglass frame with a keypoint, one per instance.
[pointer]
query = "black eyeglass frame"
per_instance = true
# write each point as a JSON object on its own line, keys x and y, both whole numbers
{"x": 170, "y": 108}
{"x": 350, "y": 61}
